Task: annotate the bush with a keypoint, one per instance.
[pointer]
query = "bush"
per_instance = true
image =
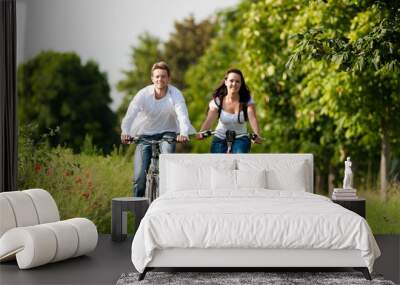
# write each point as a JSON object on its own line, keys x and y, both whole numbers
{"x": 82, "y": 185}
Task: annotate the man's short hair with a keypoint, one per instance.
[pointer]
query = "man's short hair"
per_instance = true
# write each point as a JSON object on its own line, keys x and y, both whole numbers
{"x": 160, "y": 65}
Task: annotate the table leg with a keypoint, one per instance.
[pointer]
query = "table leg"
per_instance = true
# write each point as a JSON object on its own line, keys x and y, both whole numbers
{"x": 124, "y": 224}
{"x": 116, "y": 221}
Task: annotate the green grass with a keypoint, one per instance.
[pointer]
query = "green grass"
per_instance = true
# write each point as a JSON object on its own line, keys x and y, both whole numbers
{"x": 383, "y": 216}
{"x": 83, "y": 185}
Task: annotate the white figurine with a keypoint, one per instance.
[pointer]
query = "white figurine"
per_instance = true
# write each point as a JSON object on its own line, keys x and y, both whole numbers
{"x": 348, "y": 175}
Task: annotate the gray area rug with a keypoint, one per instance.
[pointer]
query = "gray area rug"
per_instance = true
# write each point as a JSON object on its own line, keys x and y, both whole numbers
{"x": 232, "y": 278}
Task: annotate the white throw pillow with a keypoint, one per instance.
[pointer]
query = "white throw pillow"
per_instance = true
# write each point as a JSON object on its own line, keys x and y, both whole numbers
{"x": 223, "y": 179}
{"x": 281, "y": 174}
{"x": 291, "y": 178}
{"x": 251, "y": 178}
{"x": 190, "y": 176}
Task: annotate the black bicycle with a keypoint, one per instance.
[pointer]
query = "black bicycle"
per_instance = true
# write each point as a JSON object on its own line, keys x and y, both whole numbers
{"x": 152, "y": 175}
{"x": 230, "y": 137}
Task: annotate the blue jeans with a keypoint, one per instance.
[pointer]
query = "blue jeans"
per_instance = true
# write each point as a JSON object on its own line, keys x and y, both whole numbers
{"x": 240, "y": 145}
{"x": 143, "y": 157}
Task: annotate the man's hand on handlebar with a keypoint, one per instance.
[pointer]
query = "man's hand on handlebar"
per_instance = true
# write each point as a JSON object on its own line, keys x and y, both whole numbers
{"x": 182, "y": 139}
{"x": 126, "y": 139}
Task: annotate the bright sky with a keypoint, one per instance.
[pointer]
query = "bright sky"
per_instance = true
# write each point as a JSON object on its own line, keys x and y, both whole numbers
{"x": 102, "y": 30}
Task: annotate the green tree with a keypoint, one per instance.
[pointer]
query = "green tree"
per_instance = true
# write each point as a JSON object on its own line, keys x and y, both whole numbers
{"x": 185, "y": 45}
{"x": 143, "y": 57}
{"x": 303, "y": 109}
{"x": 367, "y": 51}
{"x": 57, "y": 90}
{"x": 264, "y": 51}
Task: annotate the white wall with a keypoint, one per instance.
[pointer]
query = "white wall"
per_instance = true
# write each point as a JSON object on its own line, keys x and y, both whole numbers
{"x": 102, "y": 30}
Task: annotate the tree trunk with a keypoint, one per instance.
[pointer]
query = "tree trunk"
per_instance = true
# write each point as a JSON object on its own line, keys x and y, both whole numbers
{"x": 385, "y": 153}
{"x": 317, "y": 183}
{"x": 331, "y": 179}
{"x": 369, "y": 175}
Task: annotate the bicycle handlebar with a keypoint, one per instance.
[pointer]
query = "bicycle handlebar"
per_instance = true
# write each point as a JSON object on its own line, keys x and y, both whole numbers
{"x": 136, "y": 140}
{"x": 204, "y": 134}
{"x": 208, "y": 133}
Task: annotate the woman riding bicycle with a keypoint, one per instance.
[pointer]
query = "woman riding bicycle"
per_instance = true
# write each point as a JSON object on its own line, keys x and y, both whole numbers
{"x": 156, "y": 112}
{"x": 233, "y": 105}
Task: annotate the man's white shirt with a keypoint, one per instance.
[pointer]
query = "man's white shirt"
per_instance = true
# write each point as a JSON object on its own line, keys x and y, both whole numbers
{"x": 147, "y": 115}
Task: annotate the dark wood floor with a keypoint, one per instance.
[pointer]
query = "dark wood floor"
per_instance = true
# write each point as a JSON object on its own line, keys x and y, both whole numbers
{"x": 111, "y": 259}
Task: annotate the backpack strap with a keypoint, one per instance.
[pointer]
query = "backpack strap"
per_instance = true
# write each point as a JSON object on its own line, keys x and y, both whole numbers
{"x": 243, "y": 107}
{"x": 219, "y": 105}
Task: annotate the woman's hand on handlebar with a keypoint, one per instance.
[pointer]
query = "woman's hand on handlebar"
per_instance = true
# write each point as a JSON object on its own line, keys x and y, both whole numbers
{"x": 199, "y": 136}
{"x": 256, "y": 139}
{"x": 126, "y": 139}
{"x": 204, "y": 134}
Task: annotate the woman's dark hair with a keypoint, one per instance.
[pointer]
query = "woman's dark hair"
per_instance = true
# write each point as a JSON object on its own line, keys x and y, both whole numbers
{"x": 244, "y": 94}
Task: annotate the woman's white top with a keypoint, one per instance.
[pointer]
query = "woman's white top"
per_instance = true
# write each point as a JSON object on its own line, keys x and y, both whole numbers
{"x": 147, "y": 115}
{"x": 229, "y": 121}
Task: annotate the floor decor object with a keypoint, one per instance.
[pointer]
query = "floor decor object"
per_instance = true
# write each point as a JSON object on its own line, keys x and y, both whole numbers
{"x": 31, "y": 231}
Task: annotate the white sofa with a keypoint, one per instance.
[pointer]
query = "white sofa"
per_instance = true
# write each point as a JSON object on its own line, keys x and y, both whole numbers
{"x": 31, "y": 231}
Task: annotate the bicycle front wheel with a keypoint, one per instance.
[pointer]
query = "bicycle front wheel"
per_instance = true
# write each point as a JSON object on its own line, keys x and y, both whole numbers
{"x": 151, "y": 188}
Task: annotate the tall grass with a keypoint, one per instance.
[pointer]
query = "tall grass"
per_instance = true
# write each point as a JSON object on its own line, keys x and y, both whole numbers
{"x": 82, "y": 185}
{"x": 383, "y": 216}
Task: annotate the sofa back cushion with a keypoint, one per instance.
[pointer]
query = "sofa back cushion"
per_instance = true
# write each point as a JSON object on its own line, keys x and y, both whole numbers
{"x": 26, "y": 208}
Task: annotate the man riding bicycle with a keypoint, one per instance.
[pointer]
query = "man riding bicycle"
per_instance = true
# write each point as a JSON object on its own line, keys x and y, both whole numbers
{"x": 156, "y": 112}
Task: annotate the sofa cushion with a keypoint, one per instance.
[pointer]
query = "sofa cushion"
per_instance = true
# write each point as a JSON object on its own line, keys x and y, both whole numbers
{"x": 23, "y": 208}
{"x": 46, "y": 207}
{"x": 7, "y": 215}
{"x": 40, "y": 244}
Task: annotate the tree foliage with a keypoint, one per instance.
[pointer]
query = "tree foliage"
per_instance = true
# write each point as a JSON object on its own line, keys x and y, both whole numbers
{"x": 315, "y": 106}
{"x": 57, "y": 91}
{"x": 143, "y": 56}
{"x": 363, "y": 57}
{"x": 186, "y": 45}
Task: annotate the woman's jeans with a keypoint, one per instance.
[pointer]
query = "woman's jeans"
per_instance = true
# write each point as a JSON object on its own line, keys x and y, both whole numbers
{"x": 143, "y": 157}
{"x": 240, "y": 145}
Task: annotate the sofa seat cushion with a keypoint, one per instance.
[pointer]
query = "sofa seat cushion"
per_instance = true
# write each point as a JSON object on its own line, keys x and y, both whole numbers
{"x": 40, "y": 244}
